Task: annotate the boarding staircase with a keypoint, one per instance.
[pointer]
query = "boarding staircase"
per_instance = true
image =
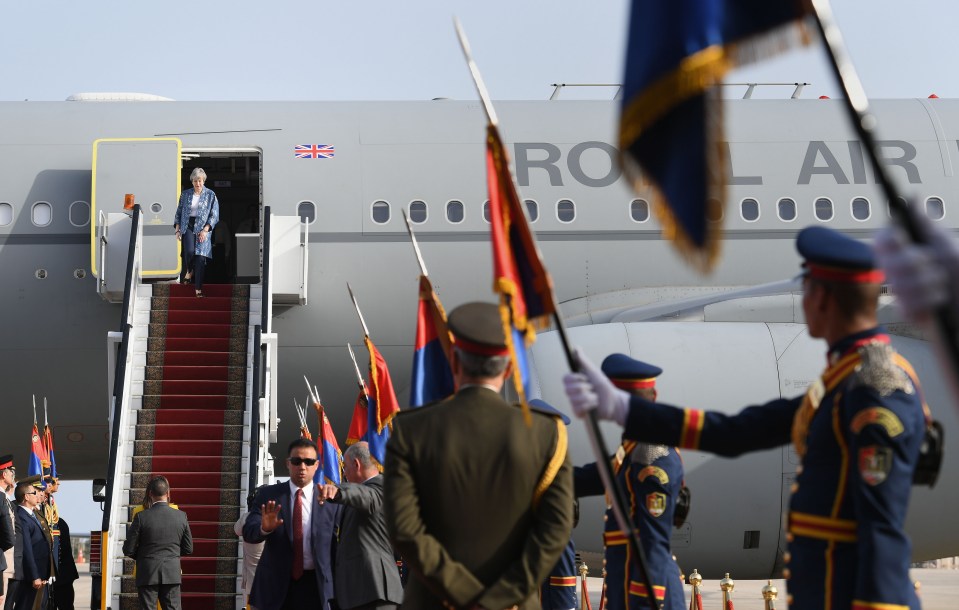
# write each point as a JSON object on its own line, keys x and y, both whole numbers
{"x": 193, "y": 398}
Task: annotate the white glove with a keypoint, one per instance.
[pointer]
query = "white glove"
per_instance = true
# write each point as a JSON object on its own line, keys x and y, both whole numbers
{"x": 923, "y": 277}
{"x": 591, "y": 389}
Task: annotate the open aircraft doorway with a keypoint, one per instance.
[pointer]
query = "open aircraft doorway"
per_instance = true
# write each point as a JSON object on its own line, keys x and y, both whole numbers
{"x": 236, "y": 176}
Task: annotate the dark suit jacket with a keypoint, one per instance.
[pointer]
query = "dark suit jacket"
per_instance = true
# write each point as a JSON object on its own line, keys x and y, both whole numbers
{"x": 365, "y": 567}
{"x": 35, "y": 547}
{"x": 273, "y": 573}
{"x": 479, "y": 504}
{"x": 67, "y": 566}
{"x": 8, "y": 535}
{"x": 156, "y": 539}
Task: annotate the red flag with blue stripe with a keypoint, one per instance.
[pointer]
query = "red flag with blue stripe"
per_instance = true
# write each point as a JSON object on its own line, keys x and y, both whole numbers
{"x": 671, "y": 123}
{"x": 48, "y": 449}
{"x": 39, "y": 461}
{"x": 519, "y": 276}
{"x": 432, "y": 377}
{"x": 331, "y": 458}
{"x": 372, "y": 418}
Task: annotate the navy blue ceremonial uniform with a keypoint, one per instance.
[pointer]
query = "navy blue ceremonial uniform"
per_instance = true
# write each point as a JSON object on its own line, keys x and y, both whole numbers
{"x": 858, "y": 430}
{"x": 651, "y": 477}
{"x": 558, "y": 591}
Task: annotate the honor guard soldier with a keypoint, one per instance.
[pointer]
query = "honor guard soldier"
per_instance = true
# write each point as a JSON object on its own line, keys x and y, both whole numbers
{"x": 558, "y": 591}
{"x": 652, "y": 478}
{"x": 478, "y": 498}
{"x": 862, "y": 432}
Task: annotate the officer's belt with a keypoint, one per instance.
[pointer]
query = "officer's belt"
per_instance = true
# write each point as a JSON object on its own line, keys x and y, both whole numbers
{"x": 562, "y": 581}
{"x": 822, "y": 528}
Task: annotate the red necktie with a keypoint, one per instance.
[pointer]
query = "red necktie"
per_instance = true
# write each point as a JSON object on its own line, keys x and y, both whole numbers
{"x": 298, "y": 535}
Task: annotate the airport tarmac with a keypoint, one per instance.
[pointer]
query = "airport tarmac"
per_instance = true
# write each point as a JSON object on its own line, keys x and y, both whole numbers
{"x": 939, "y": 590}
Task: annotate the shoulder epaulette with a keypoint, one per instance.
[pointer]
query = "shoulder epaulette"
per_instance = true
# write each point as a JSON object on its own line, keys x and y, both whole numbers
{"x": 878, "y": 369}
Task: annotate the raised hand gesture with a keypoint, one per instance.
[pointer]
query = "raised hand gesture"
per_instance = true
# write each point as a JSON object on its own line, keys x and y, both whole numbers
{"x": 270, "y": 516}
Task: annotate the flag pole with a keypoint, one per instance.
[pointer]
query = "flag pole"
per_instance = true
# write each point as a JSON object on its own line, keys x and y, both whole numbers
{"x": 617, "y": 497}
{"x": 864, "y": 124}
{"x": 416, "y": 246}
{"x": 314, "y": 395}
{"x": 366, "y": 331}
{"x": 359, "y": 375}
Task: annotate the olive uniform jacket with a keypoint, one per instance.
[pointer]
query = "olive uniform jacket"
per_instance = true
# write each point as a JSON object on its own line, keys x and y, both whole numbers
{"x": 479, "y": 504}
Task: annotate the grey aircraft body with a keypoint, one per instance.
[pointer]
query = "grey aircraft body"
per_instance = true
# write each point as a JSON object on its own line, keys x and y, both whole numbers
{"x": 349, "y": 169}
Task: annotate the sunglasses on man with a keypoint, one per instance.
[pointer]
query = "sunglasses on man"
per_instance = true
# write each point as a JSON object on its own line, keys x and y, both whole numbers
{"x": 296, "y": 461}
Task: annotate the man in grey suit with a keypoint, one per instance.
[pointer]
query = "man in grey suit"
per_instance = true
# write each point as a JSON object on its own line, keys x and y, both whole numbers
{"x": 156, "y": 539}
{"x": 366, "y": 577}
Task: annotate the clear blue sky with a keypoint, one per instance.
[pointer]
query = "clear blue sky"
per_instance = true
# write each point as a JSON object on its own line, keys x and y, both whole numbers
{"x": 382, "y": 50}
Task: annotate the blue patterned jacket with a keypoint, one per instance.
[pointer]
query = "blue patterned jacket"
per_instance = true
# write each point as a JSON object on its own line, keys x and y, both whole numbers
{"x": 207, "y": 213}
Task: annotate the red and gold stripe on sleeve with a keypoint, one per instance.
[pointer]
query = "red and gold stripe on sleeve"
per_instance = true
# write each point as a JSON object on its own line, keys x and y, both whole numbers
{"x": 693, "y": 420}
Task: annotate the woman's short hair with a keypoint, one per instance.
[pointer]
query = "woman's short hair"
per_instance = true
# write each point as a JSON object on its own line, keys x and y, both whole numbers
{"x": 197, "y": 173}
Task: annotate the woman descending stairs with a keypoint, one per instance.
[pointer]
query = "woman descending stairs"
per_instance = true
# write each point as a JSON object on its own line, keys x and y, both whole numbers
{"x": 190, "y": 429}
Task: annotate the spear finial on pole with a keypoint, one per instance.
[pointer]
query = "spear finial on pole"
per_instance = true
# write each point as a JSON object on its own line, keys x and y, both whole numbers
{"x": 359, "y": 375}
{"x": 366, "y": 331}
{"x": 416, "y": 246}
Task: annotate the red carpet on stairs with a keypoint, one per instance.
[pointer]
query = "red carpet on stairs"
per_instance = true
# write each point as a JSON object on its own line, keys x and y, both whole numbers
{"x": 190, "y": 429}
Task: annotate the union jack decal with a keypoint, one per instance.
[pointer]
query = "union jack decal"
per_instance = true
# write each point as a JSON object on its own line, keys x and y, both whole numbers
{"x": 313, "y": 151}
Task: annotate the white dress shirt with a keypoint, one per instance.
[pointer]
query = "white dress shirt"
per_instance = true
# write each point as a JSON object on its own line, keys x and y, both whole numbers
{"x": 307, "y": 513}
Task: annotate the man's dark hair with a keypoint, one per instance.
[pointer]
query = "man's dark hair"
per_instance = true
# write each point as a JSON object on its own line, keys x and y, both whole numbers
{"x": 158, "y": 487}
{"x": 302, "y": 443}
{"x": 852, "y": 299}
{"x": 21, "y": 491}
{"x": 479, "y": 366}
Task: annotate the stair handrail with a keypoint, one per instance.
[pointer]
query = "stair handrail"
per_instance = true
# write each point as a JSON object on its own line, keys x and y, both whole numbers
{"x": 266, "y": 313}
{"x": 254, "y": 477}
{"x": 120, "y": 399}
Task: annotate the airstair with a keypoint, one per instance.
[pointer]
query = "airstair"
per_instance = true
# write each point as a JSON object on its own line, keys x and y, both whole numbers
{"x": 193, "y": 398}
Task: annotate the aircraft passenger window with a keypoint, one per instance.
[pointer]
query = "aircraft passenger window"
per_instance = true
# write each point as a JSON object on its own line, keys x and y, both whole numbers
{"x": 532, "y": 210}
{"x": 787, "y": 209}
{"x": 6, "y": 214}
{"x": 824, "y": 209}
{"x": 306, "y": 211}
{"x": 935, "y": 209}
{"x": 486, "y": 215}
{"x": 454, "y": 211}
{"x": 381, "y": 212}
{"x": 79, "y": 213}
{"x": 639, "y": 210}
{"x": 566, "y": 210}
{"x": 41, "y": 214}
{"x": 417, "y": 212}
{"x": 860, "y": 208}
{"x": 749, "y": 209}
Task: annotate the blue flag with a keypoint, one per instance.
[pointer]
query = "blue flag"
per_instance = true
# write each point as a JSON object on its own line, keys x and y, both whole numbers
{"x": 671, "y": 123}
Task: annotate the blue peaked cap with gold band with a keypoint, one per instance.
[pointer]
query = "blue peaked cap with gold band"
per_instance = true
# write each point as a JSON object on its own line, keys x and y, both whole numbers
{"x": 831, "y": 255}
{"x": 541, "y": 405}
{"x": 628, "y": 373}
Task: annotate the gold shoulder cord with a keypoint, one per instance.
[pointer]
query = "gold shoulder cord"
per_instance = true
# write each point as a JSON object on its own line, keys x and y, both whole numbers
{"x": 555, "y": 462}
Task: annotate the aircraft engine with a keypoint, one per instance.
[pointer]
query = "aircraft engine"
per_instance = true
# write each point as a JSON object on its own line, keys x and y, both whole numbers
{"x": 736, "y": 520}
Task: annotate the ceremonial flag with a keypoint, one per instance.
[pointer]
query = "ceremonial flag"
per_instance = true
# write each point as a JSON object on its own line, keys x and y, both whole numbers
{"x": 432, "y": 377}
{"x": 38, "y": 455}
{"x": 671, "y": 123}
{"x": 519, "y": 276}
{"x": 331, "y": 457}
{"x": 48, "y": 449}
{"x": 374, "y": 411}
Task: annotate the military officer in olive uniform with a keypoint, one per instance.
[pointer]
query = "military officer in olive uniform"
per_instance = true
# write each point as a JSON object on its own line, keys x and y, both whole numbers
{"x": 478, "y": 502}
{"x": 858, "y": 430}
{"x": 651, "y": 476}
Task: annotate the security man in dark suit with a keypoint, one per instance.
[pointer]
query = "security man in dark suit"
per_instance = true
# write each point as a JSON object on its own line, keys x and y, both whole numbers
{"x": 652, "y": 478}
{"x": 156, "y": 539}
{"x": 858, "y": 430}
{"x": 35, "y": 548}
{"x": 478, "y": 501}
{"x": 296, "y": 567}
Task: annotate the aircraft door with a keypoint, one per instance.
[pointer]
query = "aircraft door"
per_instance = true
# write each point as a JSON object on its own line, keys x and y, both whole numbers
{"x": 149, "y": 169}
